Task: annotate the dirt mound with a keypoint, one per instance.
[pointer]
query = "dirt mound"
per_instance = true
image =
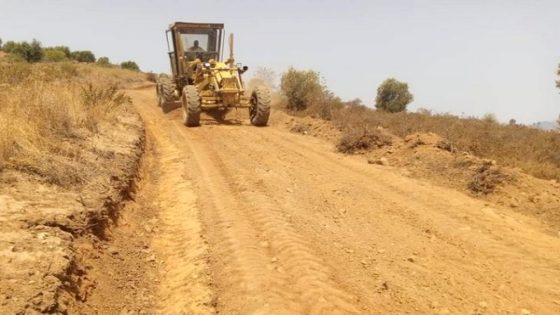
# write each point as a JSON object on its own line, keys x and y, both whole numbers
{"x": 306, "y": 126}
{"x": 363, "y": 140}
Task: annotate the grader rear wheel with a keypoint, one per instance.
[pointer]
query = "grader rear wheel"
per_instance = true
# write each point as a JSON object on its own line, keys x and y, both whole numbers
{"x": 191, "y": 106}
{"x": 166, "y": 96}
{"x": 259, "y": 111}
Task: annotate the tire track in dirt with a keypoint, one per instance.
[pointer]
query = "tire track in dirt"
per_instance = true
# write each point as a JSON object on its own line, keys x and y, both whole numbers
{"x": 457, "y": 241}
{"x": 478, "y": 238}
{"x": 183, "y": 250}
{"x": 180, "y": 250}
{"x": 271, "y": 256}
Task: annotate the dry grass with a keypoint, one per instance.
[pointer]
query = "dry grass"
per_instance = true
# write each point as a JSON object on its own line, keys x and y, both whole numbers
{"x": 47, "y": 110}
{"x": 535, "y": 151}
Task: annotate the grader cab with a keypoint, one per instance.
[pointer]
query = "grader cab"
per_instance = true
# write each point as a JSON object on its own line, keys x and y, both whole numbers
{"x": 203, "y": 80}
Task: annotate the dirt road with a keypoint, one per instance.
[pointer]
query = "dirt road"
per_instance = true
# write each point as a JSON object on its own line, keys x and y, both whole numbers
{"x": 263, "y": 221}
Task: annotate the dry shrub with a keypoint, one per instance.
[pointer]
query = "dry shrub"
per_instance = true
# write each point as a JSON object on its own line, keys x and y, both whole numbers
{"x": 100, "y": 103}
{"x": 535, "y": 151}
{"x": 302, "y": 88}
{"x": 47, "y": 111}
{"x": 359, "y": 140}
{"x": 487, "y": 178}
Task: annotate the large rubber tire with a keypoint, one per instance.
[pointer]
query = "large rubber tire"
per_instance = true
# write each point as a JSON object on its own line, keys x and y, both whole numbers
{"x": 166, "y": 94}
{"x": 259, "y": 111}
{"x": 191, "y": 106}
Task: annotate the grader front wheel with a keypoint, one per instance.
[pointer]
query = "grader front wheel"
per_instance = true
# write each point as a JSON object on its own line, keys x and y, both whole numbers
{"x": 259, "y": 111}
{"x": 191, "y": 106}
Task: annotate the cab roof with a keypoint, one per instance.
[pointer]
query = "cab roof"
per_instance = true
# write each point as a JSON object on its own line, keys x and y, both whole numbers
{"x": 186, "y": 25}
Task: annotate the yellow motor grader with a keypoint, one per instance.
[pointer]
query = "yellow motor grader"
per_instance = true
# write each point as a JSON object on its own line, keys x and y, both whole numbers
{"x": 202, "y": 80}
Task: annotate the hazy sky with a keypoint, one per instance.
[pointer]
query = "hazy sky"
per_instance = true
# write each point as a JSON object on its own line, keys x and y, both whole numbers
{"x": 469, "y": 57}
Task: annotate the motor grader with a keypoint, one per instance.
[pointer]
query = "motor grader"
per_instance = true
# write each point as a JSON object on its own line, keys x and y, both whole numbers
{"x": 202, "y": 80}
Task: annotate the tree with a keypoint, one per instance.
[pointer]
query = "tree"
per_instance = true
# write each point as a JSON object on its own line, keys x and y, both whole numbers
{"x": 393, "y": 96}
{"x": 83, "y": 56}
{"x": 513, "y": 121}
{"x": 558, "y": 122}
{"x": 104, "y": 62}
{"x": 130, "y": 65}
{"x": 30, "y": 52}
{"x": 9, "y": 46}
{"x": 0, "y": 43}
{"x": 302, "y": 88}
{"x": 558, "y": 73}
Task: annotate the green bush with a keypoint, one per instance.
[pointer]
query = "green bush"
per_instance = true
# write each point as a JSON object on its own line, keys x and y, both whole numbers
{"x": 393, "y": 96}
{"x": 302, "y": 88}
{"x": 130, "y": 65}
{"x": 83, "y": 56}
{"x": 54, "y": 55}
{"x": 30, "y": 52}
{"x": 104, "y": 62}
{"x": 64, "y": 49}
{"x": 558, "y": 73}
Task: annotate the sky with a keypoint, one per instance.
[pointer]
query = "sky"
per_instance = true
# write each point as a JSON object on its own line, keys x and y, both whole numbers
{"x": 461, "y": 57}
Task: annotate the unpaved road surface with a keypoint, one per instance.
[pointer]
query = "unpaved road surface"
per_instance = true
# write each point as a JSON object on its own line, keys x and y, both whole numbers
{"x": 263, "y": 221}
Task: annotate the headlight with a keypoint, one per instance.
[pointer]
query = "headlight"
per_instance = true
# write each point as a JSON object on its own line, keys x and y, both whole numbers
{"x": 207, "y": 65}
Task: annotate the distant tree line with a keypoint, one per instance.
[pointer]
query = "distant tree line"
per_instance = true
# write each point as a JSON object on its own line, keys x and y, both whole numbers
{"x": 34, "y": 52}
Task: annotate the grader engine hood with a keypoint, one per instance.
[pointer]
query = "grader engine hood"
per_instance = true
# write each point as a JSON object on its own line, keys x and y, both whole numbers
{"x": 226, "y": 79}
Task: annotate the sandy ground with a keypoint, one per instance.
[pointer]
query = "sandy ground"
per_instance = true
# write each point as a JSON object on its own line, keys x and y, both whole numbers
{"x": 242, "y": 220}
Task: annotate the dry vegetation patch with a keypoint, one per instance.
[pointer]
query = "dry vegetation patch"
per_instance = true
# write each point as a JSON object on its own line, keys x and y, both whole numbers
{"x": 535, "y": 151}
{"x": 362, "y": 139}
{"x": 47, "y": 112}
{"x": 487, "y": 178}
{"x": 69, "y": 149}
